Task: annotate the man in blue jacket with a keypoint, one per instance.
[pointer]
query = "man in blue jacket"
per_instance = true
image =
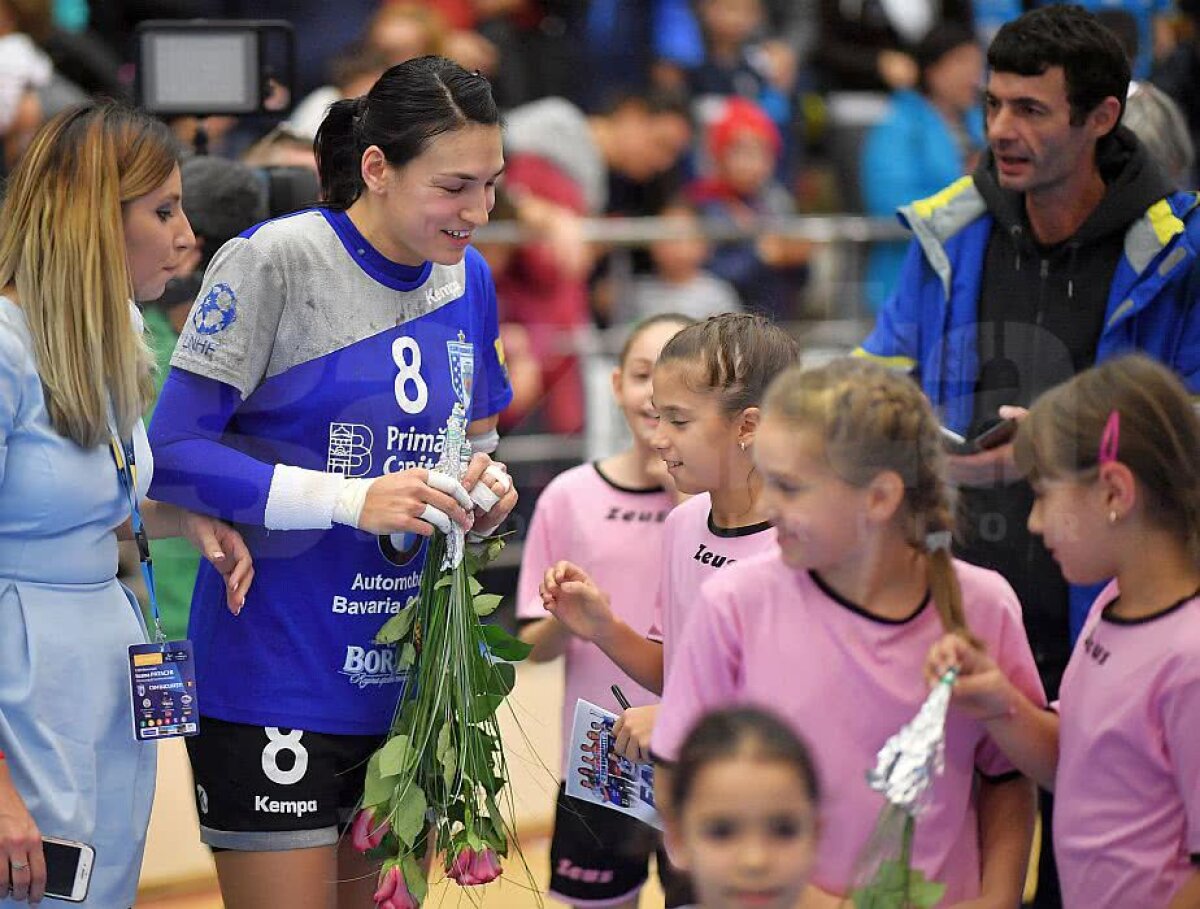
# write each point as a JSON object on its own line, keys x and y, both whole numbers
{"x": 1066, "y": 247}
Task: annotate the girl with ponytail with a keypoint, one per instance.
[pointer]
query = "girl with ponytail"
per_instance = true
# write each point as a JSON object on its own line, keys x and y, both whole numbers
{"x": 1114, "y": 459}
{"x": 832, "y": 627}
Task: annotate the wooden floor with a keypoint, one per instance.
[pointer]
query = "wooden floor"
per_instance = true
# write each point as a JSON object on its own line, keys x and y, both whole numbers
{"x": 507, "y": 893}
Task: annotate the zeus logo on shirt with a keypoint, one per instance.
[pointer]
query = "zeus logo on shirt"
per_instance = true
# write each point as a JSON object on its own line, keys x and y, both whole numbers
{"x": 706, "y": 556}
{"x": 1096, "y": 651}
{"x": 365, "y": 667}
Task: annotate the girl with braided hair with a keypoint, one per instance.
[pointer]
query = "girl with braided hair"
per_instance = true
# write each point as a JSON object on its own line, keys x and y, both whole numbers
{"x": 831, "y": 628}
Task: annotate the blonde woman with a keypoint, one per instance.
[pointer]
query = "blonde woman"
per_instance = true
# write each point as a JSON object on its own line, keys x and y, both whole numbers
{"x": 92, "y": 218}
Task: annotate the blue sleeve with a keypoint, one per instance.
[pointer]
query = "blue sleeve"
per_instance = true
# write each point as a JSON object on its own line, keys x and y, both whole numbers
{"x": 895, "y": 340}
{"x": 888, "y": 171}
{"x": 677, "y": 36}
{"x": 493, "y": 391}
{"x": 195, "y": 466}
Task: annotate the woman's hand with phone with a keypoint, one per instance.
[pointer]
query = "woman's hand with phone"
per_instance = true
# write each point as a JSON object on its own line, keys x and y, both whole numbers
{"x": 22, "y": 867}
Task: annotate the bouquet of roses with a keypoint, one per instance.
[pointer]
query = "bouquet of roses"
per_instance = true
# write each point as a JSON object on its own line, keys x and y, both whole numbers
{"x": 904, "y": 769}
{"x": 435, "y": 786}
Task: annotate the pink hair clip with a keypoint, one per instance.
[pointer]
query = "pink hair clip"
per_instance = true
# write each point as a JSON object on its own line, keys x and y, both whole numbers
{"x": 1110, "y": 439}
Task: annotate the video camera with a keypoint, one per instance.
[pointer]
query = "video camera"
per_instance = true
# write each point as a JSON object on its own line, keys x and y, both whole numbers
{"x": 224, "y": 67}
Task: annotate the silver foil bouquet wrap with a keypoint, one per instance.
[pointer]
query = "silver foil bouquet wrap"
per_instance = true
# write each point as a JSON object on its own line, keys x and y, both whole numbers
{"x": 903, "y": 773}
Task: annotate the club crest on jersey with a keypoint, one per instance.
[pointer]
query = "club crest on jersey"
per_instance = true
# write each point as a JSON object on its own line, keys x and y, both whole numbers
{"x": 462, "y": 369}
{"x": 350, "y": 449}
{"x": 217, "y": 311}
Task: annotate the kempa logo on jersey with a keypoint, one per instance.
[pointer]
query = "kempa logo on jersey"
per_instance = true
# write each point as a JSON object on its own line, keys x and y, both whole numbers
{"x": 268, "y": 805}
{"x": 365, "y": 667}
{"x": 436, "y": 295}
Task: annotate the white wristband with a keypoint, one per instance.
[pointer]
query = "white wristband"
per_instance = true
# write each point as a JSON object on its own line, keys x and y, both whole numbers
{"x": 350, "y": 501}
{"x": 301, "y": 499}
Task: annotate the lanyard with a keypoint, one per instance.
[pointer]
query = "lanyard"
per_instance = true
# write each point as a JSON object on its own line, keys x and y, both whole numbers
{"x": 126, "y": 463}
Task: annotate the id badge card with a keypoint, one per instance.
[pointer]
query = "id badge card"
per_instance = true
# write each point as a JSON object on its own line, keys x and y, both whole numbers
{"x": 162, "y": 679}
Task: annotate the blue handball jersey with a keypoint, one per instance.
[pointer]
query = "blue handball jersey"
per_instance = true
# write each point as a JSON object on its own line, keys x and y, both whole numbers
{"x": 307, "y": 347}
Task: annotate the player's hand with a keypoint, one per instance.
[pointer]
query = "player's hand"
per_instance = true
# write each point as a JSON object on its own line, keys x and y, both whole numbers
{"x": 22, "y": 866}
{"x": 491, "y": 490}
{"x": 631, "y": 733}
{"x": 226, "y": 550}
{"x": 574, "y": 599}
{"x": 415, "y": 501}
{"x": 982, "y": 691}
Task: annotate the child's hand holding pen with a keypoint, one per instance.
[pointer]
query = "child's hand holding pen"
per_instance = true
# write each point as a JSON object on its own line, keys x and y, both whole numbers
{"x": 632, "y": 730}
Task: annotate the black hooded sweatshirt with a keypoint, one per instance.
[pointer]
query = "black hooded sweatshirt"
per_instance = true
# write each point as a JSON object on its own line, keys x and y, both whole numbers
{"x": 1041, "y": 312}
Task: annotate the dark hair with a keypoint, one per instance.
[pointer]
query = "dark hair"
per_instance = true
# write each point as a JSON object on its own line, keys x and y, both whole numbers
{"x": 661, "y": 318}
{"x": 411, "y": 103}
{"x": 738, "y": 355}
{"x": 941, "y": 39}
{"x": 222, "y": 198}
{"x": 1094, "y": 63}
{"x": 1158, "y": 439}
{"x": 724, "y": 734}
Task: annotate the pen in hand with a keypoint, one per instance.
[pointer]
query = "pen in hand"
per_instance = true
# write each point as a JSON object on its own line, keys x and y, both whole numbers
{"x": 620, "y": 696}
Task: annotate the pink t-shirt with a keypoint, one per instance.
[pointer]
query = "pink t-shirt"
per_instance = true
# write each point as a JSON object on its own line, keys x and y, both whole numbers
{"x": 693, "y": 549}
{"x": 1127, "y": 791}
{"x": 846, "y": 681}
{"x": 615, "y": 534}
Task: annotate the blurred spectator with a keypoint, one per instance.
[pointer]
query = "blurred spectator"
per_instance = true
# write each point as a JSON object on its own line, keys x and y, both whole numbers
{"x": 25, "y": 25}
{"x": 352, "y": 73}
{"x": 1147, "y": 33}
{"x": 282, "y": 147}
{"x": 1179, "y": 73}
{"x": 222, "y": 198}
{"x": 766, "y": 270}
{"x": 680, "y": 283}
{"x": 866, "y": 45}
{"x": 632, "y": 46}
{"x": 22, "y": 69}
{"x": 929, "y": 138}
{"x": 81, "y": 59}
{"x": 558, "y": 164}
{"x": 991, "y": 14}
{"x": 1162, "y": 128}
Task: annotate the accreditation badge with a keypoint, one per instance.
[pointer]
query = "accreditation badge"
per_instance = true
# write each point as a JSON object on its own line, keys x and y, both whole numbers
{"x": 162, "y": 686}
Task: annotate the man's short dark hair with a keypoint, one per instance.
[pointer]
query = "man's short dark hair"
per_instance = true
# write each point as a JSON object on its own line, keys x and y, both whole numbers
{"x": 1093, "y": 61}
{"x": 222, "y": 198}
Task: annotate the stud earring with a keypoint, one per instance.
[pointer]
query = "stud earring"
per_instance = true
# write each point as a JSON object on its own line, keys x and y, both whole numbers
{"x": 742, "y": 445}
{"x": 1112, "y": 517}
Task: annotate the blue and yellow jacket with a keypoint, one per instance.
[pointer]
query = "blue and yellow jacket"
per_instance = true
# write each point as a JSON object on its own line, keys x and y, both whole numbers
{"x": 929, "y": 325}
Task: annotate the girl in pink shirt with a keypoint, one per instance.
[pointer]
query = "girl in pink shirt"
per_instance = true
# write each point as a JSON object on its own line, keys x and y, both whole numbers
{"x": 608, "y": 516}
{"x": 708, "y": 384}
{"x": 1114, "y": 459}
{"x": 744, "y": 819}
{"x": 831, "y": 630}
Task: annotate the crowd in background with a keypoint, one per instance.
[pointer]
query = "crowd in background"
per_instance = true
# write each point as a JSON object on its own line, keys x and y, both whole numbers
{"x": 731, "y": 111}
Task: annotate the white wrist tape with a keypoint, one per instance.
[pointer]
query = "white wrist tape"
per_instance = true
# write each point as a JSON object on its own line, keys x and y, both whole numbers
{"x": 486, "y": 443}
{"x": 302, "y": 499}
{"x": 347, "y": 509}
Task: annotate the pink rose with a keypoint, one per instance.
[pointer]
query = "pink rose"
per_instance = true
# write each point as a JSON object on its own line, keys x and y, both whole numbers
{"x": 471, "y": 868}
{"x": 393, "y": 891}
{"x": 460, "y": 868}
{"x": 487, "y": 866}
{"x": 366, "y": 833}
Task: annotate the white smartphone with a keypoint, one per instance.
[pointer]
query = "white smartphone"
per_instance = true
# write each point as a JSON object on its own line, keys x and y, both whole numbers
{"x": 68, "y": 868}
